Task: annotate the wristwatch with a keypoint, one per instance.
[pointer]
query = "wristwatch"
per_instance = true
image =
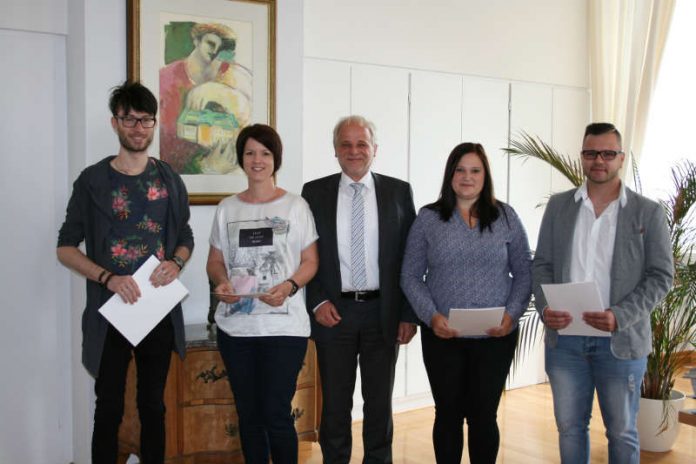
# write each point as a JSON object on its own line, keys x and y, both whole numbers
{"x": 178, "y": 261}
{"x": 295, "y": 287}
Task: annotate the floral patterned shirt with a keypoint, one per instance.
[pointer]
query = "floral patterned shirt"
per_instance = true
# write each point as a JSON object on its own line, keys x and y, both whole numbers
{"x": 139, "y": 212}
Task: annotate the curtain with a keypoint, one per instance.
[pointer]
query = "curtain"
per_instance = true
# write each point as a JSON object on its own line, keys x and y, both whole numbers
{"x": 626, "y": 41}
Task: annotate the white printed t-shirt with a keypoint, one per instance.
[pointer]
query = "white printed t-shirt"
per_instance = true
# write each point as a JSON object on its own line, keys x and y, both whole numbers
{"x": 261, "y": 244}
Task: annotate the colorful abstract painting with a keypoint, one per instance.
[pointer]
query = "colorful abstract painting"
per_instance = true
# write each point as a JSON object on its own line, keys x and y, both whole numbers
{"x": 206, "y": 95}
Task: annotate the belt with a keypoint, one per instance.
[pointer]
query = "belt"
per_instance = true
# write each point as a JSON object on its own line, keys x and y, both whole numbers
{"x": 361, "y": 296}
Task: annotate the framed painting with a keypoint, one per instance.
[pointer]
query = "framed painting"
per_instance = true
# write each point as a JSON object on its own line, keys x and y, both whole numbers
{"x": 211, "y": 63}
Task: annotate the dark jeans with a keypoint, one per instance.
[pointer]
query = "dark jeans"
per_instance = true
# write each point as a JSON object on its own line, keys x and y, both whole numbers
{"x": 263, "y": 375}
{"x": 467, "y": 377}
{"x": 357, "y": 339}
{"x": 152, "y": 357}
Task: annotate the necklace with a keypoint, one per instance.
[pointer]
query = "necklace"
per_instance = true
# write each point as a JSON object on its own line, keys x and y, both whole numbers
{"x": 127, "y": 171}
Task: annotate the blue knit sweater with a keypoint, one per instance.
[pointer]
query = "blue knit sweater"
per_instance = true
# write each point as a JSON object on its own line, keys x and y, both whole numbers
{"x": 450, "y": 265}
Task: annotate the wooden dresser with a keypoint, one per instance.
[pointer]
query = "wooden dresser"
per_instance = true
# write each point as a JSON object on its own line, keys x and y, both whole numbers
{"x": 201, "y": 420}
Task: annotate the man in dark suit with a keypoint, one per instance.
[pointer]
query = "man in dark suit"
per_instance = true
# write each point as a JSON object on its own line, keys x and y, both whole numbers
{"x": 357, "y": 309}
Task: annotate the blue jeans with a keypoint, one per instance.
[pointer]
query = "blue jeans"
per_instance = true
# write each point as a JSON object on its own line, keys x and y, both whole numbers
{"x": 576, "y": 367}
{"x": 263, "y": 375}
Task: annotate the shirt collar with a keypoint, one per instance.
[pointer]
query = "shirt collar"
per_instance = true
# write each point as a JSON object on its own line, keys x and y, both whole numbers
{"x": 581, "y": 193}
{"x": 366, "y": 180}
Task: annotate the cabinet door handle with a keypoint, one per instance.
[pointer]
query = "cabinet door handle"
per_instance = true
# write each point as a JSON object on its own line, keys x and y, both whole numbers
{"x": 297, "y": 413}
{"x": 211, "y": 375}
{"x": 231, "y": 430}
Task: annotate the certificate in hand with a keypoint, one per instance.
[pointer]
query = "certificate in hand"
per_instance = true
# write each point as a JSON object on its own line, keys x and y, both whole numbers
{"x": 136, "y": 320}
{"x": 576, "y": 298}
{"x": 474, "y": 321}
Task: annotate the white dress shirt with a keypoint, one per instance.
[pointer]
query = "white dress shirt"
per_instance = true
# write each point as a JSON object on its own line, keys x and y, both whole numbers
{"x": 343, "y": 235}
{"x": 593, "y": 242}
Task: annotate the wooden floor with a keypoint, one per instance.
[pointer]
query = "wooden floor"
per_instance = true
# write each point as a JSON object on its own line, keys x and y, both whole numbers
{"x": 527, "y": 429}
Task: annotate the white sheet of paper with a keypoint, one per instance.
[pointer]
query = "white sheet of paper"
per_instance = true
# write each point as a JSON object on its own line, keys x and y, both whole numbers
{"x": 576, "y": 298}
{"x": 137, "y": 320}
{"x": 475, "y": 321}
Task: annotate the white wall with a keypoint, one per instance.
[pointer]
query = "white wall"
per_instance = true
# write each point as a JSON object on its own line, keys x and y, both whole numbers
{"x": 36, "y": 425}
{"x": 531, "y": 40}
{"x": 49, "y": 16}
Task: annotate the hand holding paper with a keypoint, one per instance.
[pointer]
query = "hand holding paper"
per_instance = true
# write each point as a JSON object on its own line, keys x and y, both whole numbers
{"x": 164, "y": 274}
{"x": 557, "y": 320}
{"x": 576, "y": 298}
{"x": 238, "y": 287}
{"x": 600, "y": 320}
{"x": 475, "y": 321}
{"x": 503, "y": 329}
{"x": 225, "y": 293}
{"x": 441, "y": 328}
{"x": 136, "y": 320}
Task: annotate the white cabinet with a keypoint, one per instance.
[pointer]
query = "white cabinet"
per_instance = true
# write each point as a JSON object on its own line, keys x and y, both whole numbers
{"x": 326, "y": 99}
{"x": 571, "y": 113}
{"x": 485, "y": 114}
{"x": 436, "y": 115}
{"x": 381, "y": 95}
{"x": 530, "y": 179}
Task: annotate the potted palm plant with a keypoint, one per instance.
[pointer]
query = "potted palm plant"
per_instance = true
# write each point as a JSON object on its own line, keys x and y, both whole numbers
{"x": 673, "y": 321}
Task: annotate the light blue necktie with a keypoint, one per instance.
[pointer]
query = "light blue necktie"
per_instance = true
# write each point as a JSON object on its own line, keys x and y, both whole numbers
{"x": 357, "y": 239}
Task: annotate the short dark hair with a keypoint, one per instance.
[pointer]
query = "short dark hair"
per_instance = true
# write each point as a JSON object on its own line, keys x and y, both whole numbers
{"x": 132, "y": 96}
{"x": 486, "y": 207}
{"x": 266, "y": 136}
{"x": 601, "y": 128}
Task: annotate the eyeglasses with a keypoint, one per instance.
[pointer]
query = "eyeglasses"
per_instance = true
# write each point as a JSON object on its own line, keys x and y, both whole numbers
{"x": 607, "y": 155}
{"x": 147, "y": 122}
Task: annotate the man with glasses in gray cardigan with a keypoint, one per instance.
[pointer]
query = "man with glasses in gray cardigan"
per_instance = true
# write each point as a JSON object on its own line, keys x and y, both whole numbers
{"x": 606, "y": 233}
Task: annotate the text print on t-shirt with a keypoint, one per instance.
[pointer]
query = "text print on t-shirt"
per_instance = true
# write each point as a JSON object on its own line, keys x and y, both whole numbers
{"x": 255, "y": 237}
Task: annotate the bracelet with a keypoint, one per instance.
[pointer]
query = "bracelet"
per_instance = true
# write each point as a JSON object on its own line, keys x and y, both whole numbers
{"x": 104, "y": 271}
{"x": 108, "y": 278}
{"x": 295, "y": 287}
{"x": 179, "y": 261}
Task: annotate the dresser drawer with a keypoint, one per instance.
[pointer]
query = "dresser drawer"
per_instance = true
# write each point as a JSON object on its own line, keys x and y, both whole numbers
{"x": 303, "y": 410}
{"x": 307, "y": 373}
{"x": 210, "y": 428}
{"x": 204, "y": 377}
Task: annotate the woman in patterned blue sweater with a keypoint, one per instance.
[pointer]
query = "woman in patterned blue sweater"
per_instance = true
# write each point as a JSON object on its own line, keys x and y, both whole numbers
{"x": 467, "y": 250}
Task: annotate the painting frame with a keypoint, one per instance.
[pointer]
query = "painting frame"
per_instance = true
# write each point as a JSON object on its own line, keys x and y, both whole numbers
{"x": 145, "y": 58}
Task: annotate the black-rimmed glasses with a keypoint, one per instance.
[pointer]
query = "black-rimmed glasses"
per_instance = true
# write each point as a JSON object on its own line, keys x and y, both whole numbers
{"x": 607, "y": 155}
{"x": 148, "y": 122}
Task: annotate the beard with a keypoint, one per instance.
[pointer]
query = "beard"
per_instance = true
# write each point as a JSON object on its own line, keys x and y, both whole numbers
{"x": 135, "y": 145}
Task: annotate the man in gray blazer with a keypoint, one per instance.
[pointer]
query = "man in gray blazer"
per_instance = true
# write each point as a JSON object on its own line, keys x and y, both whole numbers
{"x": 601, "y": 232}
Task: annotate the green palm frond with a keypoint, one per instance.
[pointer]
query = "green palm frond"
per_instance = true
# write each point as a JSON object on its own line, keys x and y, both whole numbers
{"x": 674, "y": 320}
{"x": 528, "y": 146}
{"x": 531, "y": 332}
{"x": 636, "y": 175}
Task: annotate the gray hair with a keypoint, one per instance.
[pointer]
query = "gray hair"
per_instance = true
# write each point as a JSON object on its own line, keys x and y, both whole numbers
{"x": 358, "y": 121}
